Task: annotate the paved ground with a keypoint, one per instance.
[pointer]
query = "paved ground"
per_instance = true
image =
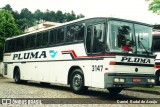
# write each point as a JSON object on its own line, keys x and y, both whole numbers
{"x": 63, "y": 96}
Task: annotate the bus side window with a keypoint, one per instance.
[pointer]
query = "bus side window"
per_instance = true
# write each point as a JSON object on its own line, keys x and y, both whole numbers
{"x": 98, "y": 38}
{"x": 88, "y": 38}
{"x": 75, "y": 33}
{"x": 70, "y": 33}
{"x": 156, "y": 44}
{"x": 60, "y": 35}
{"x": 32, "y": 41}
{"x": 14, "y": 43}
{"x": 52, "y": 37}
{"x": 19, "y": 42}
{"x": 79, "y": 32}
{"x": 22, "y": 43}
{"x": 39, "y": 39}
{"x": 10, "y": 46}
{"x": 7, "y": 46}
{"x": 45, "y": 38}
{"x": 28, "y": 41}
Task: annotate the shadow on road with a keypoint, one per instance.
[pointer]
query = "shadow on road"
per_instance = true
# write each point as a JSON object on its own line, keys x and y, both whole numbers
{"x": 91, "y": 96}
{"x": 98, "y": 94}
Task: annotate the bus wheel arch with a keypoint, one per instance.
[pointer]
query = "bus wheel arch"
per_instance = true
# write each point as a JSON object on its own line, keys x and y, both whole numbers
{"x": 76, "y": 80}
{"x": 157, "y": 74}
{"x": 70, "y": 72}
{"x": 17, "y": 75}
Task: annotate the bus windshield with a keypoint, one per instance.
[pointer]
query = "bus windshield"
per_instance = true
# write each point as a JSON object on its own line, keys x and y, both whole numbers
{"x": 129, "y": 38}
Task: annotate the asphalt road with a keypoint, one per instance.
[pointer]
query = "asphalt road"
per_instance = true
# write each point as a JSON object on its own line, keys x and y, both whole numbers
{"x": 35, "y": 94}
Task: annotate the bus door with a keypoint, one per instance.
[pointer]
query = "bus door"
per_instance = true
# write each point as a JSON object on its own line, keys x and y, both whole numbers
{"x": 94, "y": 48}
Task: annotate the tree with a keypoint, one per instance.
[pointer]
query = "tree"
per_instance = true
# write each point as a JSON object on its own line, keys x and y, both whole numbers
{"x": 70, "y": 16}
{"x": 25, "y": 13}
{"x": 154, "y": 6}
{"x": 80, "y": 16}
{"x": 8, "y": 27}
{"x": 59, "y": 16}
{"x": 26, "y": 18}
{"x": 8, "y": 7}
{"x": 38, "y": 15}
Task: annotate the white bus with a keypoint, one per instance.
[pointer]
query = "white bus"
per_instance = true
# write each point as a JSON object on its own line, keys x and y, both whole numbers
{"x": 156, "y": 50}
{"x": 84, "y": 53}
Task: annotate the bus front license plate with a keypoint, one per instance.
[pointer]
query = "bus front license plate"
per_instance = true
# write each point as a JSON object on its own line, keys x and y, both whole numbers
{"x": 136, "y": 80}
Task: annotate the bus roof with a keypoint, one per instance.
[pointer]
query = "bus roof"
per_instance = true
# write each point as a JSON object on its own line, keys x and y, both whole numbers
{"x": 78, "y": 20}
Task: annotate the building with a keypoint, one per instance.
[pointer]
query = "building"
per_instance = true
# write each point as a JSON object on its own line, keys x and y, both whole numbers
{"x": 41, "y": 26}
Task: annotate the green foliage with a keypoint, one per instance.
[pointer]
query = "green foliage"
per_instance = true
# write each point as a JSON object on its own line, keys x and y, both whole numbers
{"x": 154, "y": 6}
{"x": 26, "y": 18}
{"x": 8, "y": 27}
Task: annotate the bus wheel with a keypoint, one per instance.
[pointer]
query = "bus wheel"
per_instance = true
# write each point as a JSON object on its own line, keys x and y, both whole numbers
{"x": 44, "y": 83}
{"x": 77, "y": 81}
{"x": 17, "y": 76}
{"x": 158, "y": 78}
{"x": 114, "y": 90}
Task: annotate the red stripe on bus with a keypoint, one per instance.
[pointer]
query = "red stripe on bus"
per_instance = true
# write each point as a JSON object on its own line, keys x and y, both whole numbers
{"x": 157, "y": 66}
{"x": 75, "y": 56}
{"x": 7, "y": 54}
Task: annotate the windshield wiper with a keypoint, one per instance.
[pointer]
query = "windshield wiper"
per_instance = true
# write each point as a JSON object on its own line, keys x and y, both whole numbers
{"x": 139, "y": 42}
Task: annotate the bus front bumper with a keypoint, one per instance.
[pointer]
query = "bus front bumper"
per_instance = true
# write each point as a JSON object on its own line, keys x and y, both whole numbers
{"x": 128, "y": 80}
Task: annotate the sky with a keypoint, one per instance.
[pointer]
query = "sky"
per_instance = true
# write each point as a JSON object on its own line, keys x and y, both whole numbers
{"x": 128, "y": 9}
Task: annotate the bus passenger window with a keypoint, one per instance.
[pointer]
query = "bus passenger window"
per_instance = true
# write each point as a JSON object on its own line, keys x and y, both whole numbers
{"x": 10, "y": 46}
{"x": 79, "y": 32}
{"x": 45, "y": 38}
{"x": 156, "y": 44}
{"x": 39, "y": 39}
{"x": 53, "y": 36}
{"x": 70, "y": 33}
{"x": 88, "y": 39}
{"x": 14, "y": 43}
{"x": 75, "y": 33}
{"x": 27, "y": 41}
{"x": 20, "y": 43}
{"x": 60, "y": 35}
{"x": 98, "y": 38}
{"x": 32, "y": 41}
{"x": 7, "y": 46}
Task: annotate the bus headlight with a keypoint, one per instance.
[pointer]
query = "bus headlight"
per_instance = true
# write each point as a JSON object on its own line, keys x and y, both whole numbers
{"x": 119, "y": 80}
{"x": 151, "y": 80}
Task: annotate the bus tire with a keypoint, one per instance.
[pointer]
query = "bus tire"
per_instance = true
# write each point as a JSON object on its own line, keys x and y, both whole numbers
{"x": 158, "y": 78}
{"x": 44, "y": 83}
{"x": 77, "y": 81}
{"x": 17, "y": 76}
{"x": 114, "y": 91}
